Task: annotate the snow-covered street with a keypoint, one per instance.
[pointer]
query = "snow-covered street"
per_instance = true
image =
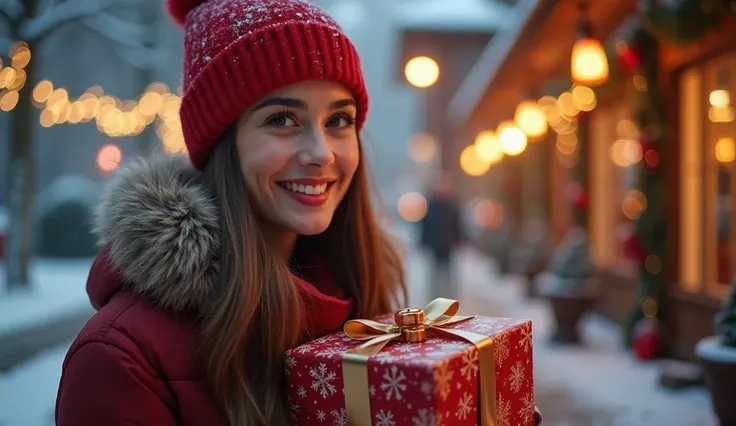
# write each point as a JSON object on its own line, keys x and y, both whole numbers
{"x": 598, "y": 384}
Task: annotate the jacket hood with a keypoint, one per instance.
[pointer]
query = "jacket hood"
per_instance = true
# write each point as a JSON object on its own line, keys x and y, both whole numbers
{"x": 159, "y": 228}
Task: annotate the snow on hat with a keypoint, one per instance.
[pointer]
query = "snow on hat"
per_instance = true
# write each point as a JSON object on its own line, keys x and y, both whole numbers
{"x": 237, "y": 51}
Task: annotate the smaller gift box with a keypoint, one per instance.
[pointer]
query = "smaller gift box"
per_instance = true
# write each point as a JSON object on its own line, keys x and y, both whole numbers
{"x": 419, "y": 367}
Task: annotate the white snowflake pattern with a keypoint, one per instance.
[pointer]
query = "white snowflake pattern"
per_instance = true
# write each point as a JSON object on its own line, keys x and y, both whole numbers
{"x": 323, "y": 380}
{"x": 301, "y": 392}
{"x": 516, "y": 378}
{"x": 406, "y": 348}
{"x": 384, "y": 357}
{"x": 293, "y": 409}
{"x": 426, "y": 388}
{"x": 425, "y": 417}
{"x": 501, "y": 347}
{"x": 339, "y": 417}
{"x": 385, "y": 418}
{"x": 527, "y": 407}
{"x": 321, "y": 415}
{"x": 464, "y": 406}
{"x": 526, "y": 337}
{"x": 289, "y": 364}
{"x": 503, "y": 412}
{"x": 470, "y": 364}
{"x": 393, "y": 384}
{"x": 442, "y": 377}
{"x": 331, "y": 351}
{"x": 453, "y": 345}
{"x": 372, "y": 390}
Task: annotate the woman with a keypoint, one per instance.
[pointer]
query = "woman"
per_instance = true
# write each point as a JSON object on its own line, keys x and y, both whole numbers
{"x": 211, "y": 270}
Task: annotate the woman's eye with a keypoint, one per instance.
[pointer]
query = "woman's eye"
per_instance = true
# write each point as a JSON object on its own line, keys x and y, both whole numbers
{"x": 341, "y": 121}
{"x": 282, "y": 119}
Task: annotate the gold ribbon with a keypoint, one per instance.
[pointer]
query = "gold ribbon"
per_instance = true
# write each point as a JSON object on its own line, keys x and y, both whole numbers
{"x": 411, "y": 325}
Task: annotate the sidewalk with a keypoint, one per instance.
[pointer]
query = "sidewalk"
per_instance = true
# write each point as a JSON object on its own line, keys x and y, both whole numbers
{"x": 52, "y": 311}
{"x": 598, "y": 384}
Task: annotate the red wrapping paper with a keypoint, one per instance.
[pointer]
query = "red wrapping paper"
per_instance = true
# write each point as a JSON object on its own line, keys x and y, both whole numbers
{"x": 431, "y": 383}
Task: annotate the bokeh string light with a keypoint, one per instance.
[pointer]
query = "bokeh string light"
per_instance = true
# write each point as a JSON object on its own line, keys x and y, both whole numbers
{"x": 114, "y": 117}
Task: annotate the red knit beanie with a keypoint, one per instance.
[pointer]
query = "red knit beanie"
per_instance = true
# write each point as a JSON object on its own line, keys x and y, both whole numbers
{"x": 237, "y": 51}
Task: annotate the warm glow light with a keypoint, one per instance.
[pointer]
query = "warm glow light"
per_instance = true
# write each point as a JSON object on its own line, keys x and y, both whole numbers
{"x": 412, "y": 207}
{"x": 589, "y": 63}
{"x": 422, "y": 147}
{"x": 422, "y": 71}
{"x": 513, "y": 140}
{"x": 9, "y": 100}
{"x": 109, "y": 158}
{"x": 725, "y": 150}
{"x": 583, "y": 98}
{"x": 487, "y": 147}
{"x": 471, "y": 163}
{"x": 531, "y": 119}
{"x": 719, "y": 98}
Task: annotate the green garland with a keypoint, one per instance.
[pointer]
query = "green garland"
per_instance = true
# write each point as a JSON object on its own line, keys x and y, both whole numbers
{"x": 650, "y": 227}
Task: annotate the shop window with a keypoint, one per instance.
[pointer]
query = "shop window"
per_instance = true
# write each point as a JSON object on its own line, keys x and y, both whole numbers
{"x": 708, "y": 176}
{"x": 615, "y": 154}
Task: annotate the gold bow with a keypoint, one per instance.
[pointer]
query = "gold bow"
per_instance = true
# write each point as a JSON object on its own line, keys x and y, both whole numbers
{"x": 411, "y": 325}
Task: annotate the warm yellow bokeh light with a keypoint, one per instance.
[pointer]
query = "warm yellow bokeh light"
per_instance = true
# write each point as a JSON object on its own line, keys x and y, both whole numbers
{"x": 513, "y": 141}
{"x": 422, "y": 71}
{"x": 531, "y": 119}
{"x": 9, "y": 100}
{"x": 584, "y": 99}
{"x": 471, "y": 163}
{"x": 725, "y": 150}
{"x": 412, "y": 207}
{"x": 487, "y": 147}
{"x": 588, "y": 62}
{"x": 719, "y": 98}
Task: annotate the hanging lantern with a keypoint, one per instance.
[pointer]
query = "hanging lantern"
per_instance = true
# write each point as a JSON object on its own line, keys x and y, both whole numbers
{"x": 588, "y": 63}
{"x": 530, "y": 119}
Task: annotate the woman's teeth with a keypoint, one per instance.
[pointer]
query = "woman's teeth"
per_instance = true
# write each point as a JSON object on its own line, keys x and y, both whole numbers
{"x": 305, "y": 189}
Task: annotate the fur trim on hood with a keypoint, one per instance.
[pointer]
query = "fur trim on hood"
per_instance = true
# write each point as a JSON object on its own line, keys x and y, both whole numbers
{"x": 162, "y": 231}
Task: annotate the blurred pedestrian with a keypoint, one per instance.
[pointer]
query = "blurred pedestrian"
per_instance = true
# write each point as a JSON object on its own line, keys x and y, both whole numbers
{"x": 441, "y": 234}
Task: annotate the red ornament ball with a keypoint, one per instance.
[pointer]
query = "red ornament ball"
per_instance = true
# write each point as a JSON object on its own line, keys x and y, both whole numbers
{"x": 577, "y": 195}
{"x": 633, "y": 249}
{"x": 647, "y": 339}
{"x": 630, "y": 59}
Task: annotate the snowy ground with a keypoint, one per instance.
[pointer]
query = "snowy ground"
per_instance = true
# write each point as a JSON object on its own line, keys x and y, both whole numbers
{"x": 58, "y": 289}
{"x": 594, "y": 385}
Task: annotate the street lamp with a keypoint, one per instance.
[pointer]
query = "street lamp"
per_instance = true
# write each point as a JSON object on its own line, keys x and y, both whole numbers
{"x": 422, "y": 71}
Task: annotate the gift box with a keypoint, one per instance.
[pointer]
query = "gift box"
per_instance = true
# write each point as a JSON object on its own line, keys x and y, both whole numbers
{"x": 418, "y": 368}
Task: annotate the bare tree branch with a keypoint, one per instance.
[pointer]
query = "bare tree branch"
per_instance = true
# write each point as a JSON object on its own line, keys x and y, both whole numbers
{"x": 62, "y": 13}
{"x": 146, "y": 58}
{"x": 10, "y": 12}
{"x": 115, "y": 29}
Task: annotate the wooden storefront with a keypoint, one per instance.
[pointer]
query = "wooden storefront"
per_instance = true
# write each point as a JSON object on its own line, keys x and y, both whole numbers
{"x": 698, "y": 161}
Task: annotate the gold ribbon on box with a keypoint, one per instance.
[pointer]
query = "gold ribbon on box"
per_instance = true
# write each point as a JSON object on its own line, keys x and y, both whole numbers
{"x": 411, "y": 325}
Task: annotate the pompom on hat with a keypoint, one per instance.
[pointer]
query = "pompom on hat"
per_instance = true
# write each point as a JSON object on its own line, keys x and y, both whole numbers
{"x": 237, "y": 51}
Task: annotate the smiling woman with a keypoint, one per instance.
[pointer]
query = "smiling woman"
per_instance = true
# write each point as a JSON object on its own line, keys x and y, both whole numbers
{"x": 266, "y": 237}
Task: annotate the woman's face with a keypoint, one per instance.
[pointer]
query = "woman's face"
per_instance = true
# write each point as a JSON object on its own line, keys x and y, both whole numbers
{"x": 298, "y": 151}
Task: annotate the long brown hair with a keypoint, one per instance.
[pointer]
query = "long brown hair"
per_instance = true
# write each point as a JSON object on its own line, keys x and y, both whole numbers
{"x": 256, "y": 315}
